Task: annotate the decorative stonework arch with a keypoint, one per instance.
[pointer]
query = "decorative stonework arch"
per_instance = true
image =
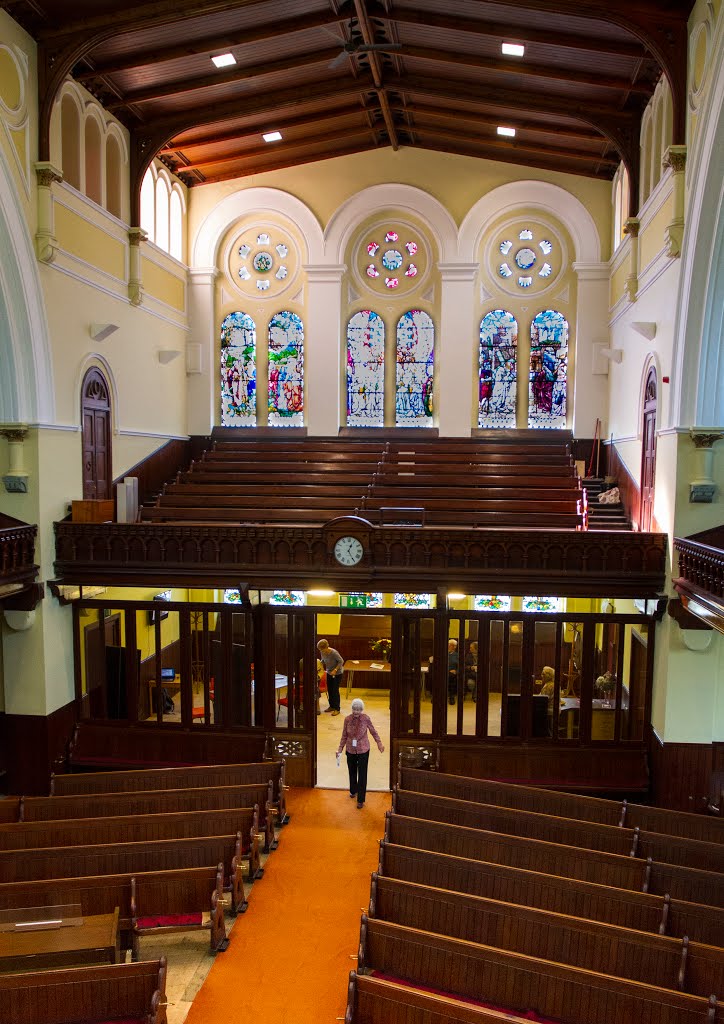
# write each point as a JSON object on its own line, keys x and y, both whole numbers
{"x": 26, "y": 381}
{"x": 204, "y": 248}
{"x": 550, "y": 199}
{"x": 95, "y": 361}
{"x": 415, "y": 201}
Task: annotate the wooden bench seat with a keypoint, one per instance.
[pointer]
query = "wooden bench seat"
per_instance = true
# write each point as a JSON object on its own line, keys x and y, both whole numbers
{"x": 373, "y": 1001}
{"x": 184, "y": 893}
{"x": 689, "y": 884}
{"x": 127, "y": 992}
{"x": 132, "y": 858}
{"x": 9, "y": 808}
{"x": 569, "y": 805}
{"x": 560, "y": 894}
{"x": 436, "y": 500}
{"x": 567, "y": 831}
{"x": 523, "y": 983}
{"x": 677, "y": 964}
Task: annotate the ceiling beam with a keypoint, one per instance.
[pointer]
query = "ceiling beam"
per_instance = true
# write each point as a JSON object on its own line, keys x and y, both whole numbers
{"x": 525, "y": 69}
{"x": 517, "y": 34}
{"x": 239, "y": 74}
{"x": 368, "y": 35}
{"x": 514, "y": 157}
{"x": 448, "y": 114}
{"x": 517, "y": 146}
{"x": 137, "y": 16}
{"x": 211, "y": 139}
{"x": 212, "y": 44}
{"x": 278, "y": 165}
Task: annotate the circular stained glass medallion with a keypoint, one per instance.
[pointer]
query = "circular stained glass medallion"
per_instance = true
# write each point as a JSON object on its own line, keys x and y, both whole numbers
{"x": 392, "y": 260}
{"x": 262, "y": 262}
{"x": 525, "y": 258}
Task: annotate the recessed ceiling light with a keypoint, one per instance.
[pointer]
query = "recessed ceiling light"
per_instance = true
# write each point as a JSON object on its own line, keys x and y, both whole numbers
{"x": 456, "y": 597}
{"x": 513, "y": 49}
{"x": 510, "y": 132}
{"x": 272, "y": 136}
{"x": 224, "y": 60}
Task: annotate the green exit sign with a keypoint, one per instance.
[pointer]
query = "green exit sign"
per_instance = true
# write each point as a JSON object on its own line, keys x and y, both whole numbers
{"x": 355, "y": 601}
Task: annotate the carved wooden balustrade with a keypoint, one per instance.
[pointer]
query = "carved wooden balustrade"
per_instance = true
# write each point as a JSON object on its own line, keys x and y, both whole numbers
{"x": 396, "y": 557}
{"x": 17, "y": 551}
{"x": 701, "y": 574}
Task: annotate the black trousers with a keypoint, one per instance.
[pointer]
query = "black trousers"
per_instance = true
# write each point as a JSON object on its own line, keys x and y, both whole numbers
{"x": 333, "y": 684}
{"x": 357, "y": 768}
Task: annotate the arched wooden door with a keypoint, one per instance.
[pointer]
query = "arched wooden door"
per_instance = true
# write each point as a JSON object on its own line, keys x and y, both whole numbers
{"x": 648, "y": 454}
{"x": 96, "y": 420}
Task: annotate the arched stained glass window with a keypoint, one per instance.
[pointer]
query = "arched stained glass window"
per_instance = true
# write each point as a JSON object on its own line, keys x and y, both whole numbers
{"x": 548, "y": 378}
{"x": 238, "y": 371}
{"x": 286, "y": 370}
{"x": 497, "y": 380}
{"x": 365, "y": 370}
{"x": 415, "y": 352}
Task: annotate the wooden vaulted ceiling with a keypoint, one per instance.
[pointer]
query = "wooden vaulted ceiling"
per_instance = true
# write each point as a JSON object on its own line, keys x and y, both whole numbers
{"x": 575, "y": 98}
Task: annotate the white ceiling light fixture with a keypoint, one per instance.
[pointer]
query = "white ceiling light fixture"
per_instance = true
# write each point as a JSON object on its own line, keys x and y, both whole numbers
{"x": 272, "y": 136}
{"x": 224, "y": 60}
{"x": 508, "y": 132}
{"x": 513, "y": 49}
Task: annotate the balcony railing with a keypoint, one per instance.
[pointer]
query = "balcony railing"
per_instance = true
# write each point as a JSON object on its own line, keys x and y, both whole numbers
{"x": 701, "y": 565}
{"x": 17, "y": 551}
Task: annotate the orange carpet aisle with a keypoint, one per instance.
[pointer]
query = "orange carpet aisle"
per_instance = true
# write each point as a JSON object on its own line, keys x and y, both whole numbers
{"x": 289, "y": 956}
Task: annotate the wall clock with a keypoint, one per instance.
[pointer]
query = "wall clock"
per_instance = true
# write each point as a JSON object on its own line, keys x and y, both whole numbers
{"x": 348, "y": 551}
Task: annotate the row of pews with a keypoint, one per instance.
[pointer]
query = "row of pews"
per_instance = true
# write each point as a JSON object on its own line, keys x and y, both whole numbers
{"x": 165, "y": 850}
{"x": 501, "y": 483}
{"x": 495, "y": 902}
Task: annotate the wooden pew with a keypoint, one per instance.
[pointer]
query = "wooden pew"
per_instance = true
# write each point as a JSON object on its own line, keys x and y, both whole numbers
{"x": 116, "y": 992}
{"x": 567, "y": 831}
{"x": 9, "y": 808}
{"x": 132, "y": 858}
{"x": 567, "y": 805}
{"x": 560, "y": 894}
{"x": 196, "y": 777}
{"x": 184, "y": 892}
{"x": 372, "y": 1001}
{"x": 677, "y": 964}
{"x": 468, "y": 970}
{"x": 689, "y": 884}
{"x": 163, "y": 801}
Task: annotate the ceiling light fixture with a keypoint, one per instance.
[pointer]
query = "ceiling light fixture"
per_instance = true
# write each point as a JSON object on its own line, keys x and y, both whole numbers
{"x": 509, "y": 132}
{"x": 272, "y": 136}
{"x": 513, "y": 49}
{"x": 224, "y": 60}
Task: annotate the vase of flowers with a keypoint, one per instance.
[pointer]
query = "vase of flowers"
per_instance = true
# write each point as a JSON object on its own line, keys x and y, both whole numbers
{"x": 382, "y": 648}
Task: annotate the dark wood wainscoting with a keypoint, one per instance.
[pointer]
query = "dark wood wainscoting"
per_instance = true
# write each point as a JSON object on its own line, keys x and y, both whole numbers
{"x": 683, "y": 775}
{"x": 32, "y": 745}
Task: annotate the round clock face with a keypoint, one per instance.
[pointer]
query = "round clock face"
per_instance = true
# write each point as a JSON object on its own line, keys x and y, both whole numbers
{"x": 348, "y": 551}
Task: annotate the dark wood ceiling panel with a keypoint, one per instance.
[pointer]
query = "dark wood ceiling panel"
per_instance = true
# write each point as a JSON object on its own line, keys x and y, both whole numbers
{"x": 341, "y": 76}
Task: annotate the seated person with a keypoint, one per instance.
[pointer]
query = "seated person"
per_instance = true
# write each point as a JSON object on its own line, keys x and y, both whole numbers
{"x": 471, "y": 668}
{"x": 452, "y": 670}
{"x": 548, "y": 679}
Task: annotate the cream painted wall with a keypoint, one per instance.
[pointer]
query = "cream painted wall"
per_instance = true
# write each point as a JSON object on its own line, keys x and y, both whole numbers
{"x": 456, "y": 181}
{"x": 19, "y": 119}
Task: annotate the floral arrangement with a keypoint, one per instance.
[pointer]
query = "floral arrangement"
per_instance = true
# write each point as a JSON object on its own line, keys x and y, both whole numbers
{"x": 382, "y": 646}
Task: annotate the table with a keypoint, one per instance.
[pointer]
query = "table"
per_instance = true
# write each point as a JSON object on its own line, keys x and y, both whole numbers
{"x": 603, "y": 714}
{"x": 95, "y": 941}
{"x": 355, "y": 665}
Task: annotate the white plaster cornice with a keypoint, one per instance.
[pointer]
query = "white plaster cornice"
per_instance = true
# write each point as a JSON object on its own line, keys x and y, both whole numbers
{"x": 592, "y": 271}
{"x": 324, "y": 273}
{"x": 458, "y": 271}
{"x": 203, "y": 275}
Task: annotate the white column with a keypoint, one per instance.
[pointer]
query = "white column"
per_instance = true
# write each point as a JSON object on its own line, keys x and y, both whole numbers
{"x": 202, "y": 380}
{"x": 324, "y": 366}
{"x": 590, "y": 393}
{"x": 455, "y": 356}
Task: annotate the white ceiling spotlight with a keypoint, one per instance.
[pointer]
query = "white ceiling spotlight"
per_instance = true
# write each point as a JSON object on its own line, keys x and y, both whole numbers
{"x": 224, "y": 60}
{"x": 272, "y": 136}
{"x": 508, "y": 132}
{"x": 513, "y": 49}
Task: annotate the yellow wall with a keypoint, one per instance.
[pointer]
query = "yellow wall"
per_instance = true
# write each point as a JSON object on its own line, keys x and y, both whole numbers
{"x": 163, "y": 285}
{"x": 88, "y": 242}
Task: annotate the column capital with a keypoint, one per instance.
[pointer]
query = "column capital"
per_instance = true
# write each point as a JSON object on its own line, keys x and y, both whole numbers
{"x": 203, "y": 275}
{"x": 47, "y": 173}
{"x": 14, "y": 432}
{"x": 137, "y": 235}
{"x": 675, "y": 158}
{"x": 324, "y": 273}
{"x": 458, "y": 271}
{"x": 591, "y": 271}
{"x": 631, "y": 227}
{"x": 700, "y": 438}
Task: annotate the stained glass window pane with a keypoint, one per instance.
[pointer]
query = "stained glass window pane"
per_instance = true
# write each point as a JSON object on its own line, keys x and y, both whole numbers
{"x": 548, "y": 370}
{"x": 543, "y": 604}
{"x": 491, "y": 603}
{"x": 286, "y": 370}
{"x": 232, "y": 597}
{"x": 415, "y": 351}
{"x": 497, "y": 381}
{"x": 365, "y": 370}
{"x": 287, "y": 597}
{"x": 413, "y": 600}
{"x": 238, "y": 371}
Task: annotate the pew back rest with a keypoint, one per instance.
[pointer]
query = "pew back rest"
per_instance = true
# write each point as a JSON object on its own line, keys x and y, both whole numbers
{"x": 111, "y": 805}
{"x": 195, "y": 777}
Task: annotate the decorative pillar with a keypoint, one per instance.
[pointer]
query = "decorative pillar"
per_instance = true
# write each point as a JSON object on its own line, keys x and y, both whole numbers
{"x": 45, "y": 241}
{"x": 675, "y": 158}
{"x": 324, "y": 365}
{"x": 453, "y": 364}
{"x": 631, "y": 228}
{"x": 703, "y": 487}
{"x": 589, "y": 398}
{"x": 202, "y": 382}
{"x": 135, "y": 280}
{"x": 16, "y": 478}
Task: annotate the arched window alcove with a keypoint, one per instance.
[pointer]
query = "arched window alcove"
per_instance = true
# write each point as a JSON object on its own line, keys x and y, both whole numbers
{"x": 96, "y": 427}
{"x": 648, "y": 450}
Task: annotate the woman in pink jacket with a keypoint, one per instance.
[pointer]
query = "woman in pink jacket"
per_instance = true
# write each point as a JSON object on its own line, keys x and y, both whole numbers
{"x": 356, "y": 742}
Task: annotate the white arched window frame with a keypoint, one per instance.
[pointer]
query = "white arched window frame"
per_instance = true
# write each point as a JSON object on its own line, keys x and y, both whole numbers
{"x": 176, "y": 224}
{"x": 70, "y": 119}
{"x": 646, "y": 133}
{"x": 656, "y": 140}
{"x": 620, "y": 201}
{"x": 93, "y": 159}
{"x": 162, "y": 213}
{"x": 148, "y": 204}
{"x": 114, "y": 176}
